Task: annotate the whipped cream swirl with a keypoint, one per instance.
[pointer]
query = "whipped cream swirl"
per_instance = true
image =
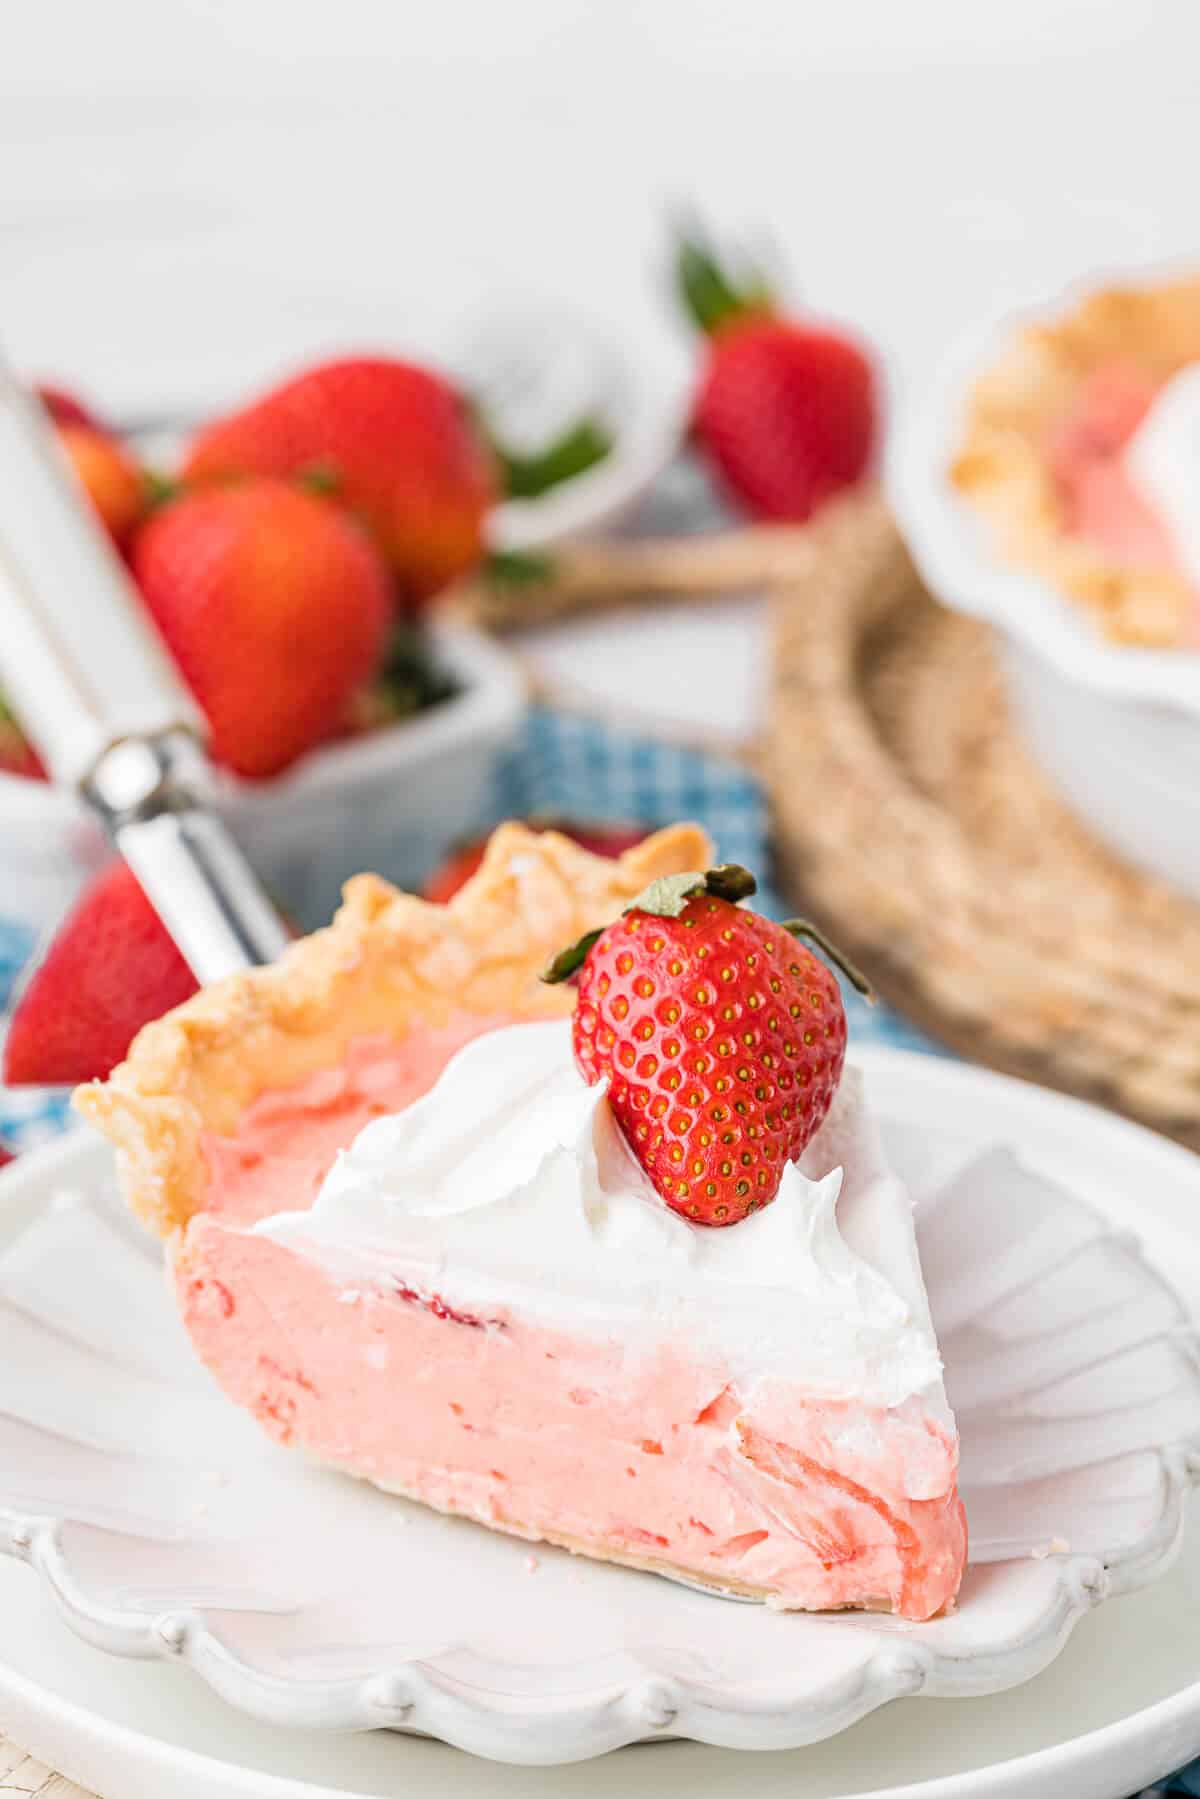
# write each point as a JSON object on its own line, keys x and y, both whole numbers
{"x": 510, "y": 1188}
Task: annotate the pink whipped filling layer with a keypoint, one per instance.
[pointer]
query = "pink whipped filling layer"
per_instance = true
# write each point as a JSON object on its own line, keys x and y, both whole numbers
{"x": 547, "y": 1433}
{"x": 1101, "y": 503}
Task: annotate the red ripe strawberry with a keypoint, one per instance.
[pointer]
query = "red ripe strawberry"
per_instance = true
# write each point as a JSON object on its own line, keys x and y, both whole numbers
{"x": 461, "y": 863}
{"x": 785, "y": 411}
{"x": 114, "y": 483}
{"x": 64, "y": 408}
{"x": 721, "y": 1037}
{"x": 7, "y": 1155}
{"x": 394, "y": 442}
{"x": 276, "y": 607}
{"x": 109, "y": 970}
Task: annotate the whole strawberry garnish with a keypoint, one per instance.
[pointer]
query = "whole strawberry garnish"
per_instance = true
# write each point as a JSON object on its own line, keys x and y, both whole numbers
{"x": 110, "y": 969}
{"x": 7, "y": 1155}
{"x": 393, "y": 442}
{"x": 276, "y": 607}
{"x": 721, "y": 1036}
{"x": 785, "y": 411}
{"x": 116, "y": 486}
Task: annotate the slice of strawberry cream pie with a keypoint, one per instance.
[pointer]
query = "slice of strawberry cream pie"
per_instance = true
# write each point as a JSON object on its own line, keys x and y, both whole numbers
{"x": 611, "y": 1259}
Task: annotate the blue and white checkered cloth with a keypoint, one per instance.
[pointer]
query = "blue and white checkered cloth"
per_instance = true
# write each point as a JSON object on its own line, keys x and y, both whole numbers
{"x": 573, "y": 767}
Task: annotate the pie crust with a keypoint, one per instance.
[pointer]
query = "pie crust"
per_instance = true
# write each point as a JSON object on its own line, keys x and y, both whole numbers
{"x": 1001, "y": 465}
{"x": 388, "y": 961}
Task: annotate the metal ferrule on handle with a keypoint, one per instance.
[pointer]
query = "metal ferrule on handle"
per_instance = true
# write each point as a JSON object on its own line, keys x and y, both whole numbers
{"x": 146, "y": 793}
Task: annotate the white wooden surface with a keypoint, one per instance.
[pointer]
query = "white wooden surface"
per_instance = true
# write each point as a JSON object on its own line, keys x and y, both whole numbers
{"x": 19, "y": 1773}
{"x": 195, "y": 193}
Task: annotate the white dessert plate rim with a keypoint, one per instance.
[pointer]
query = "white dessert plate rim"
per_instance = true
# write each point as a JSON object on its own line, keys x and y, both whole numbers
{"x": 909, "y": 1080}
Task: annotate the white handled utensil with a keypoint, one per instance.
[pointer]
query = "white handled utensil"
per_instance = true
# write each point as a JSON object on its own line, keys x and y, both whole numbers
{"x": 95, "y": 690}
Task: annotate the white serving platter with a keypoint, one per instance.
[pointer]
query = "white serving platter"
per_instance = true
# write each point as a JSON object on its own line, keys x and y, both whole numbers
{"x": 1128, "y": 1174}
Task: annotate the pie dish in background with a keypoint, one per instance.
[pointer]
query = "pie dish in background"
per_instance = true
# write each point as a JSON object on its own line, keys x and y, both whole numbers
{"x": 1066, "y": 435}
{"x": 1013, "y": 482}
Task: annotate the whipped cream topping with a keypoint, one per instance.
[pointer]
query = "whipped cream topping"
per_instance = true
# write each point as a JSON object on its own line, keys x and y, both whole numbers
{"x": 1163, "y": 461}
{"x": 510, "y": 1187}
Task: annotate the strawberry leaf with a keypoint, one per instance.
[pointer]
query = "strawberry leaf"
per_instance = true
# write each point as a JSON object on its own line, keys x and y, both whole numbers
{"x": 711, "y": 297}
{"x": 730, "y": 881}
{"x": 807, "y": 932}
{"x": 160, "y": 489}
{"x": 518, "y": 568}
{"x": 582, "y": 445}
{"x": 570, "y": 961}
{"x": 666, "y": 897}
{"x": 321, "y": 478}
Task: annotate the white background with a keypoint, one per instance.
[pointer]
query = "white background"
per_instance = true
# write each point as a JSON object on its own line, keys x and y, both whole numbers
{"x": 193, "y": 192}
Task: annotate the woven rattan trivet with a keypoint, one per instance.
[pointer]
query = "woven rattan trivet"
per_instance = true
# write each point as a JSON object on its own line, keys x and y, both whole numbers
{"x": 909, "y": 818}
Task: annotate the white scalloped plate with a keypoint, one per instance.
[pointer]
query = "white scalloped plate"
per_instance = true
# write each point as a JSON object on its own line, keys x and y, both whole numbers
{"x": 163, "y": 1525}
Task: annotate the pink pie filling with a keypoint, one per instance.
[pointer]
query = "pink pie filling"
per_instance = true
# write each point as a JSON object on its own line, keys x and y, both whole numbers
{"x": 546, "y": 1433}
{"x": 1100, "y": 502}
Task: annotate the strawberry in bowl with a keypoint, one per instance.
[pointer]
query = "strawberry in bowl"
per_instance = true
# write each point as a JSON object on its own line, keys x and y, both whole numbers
{"x": 276, "y": 608}
{"x": 301, "y": 611}
{"x": 393, "y": 443}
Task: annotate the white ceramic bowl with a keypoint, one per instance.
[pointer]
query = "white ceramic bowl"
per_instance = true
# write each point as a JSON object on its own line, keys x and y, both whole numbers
{"x": 1116, "y": 728}
{"x": 388, "y": 801}
{"x": 538, "y": 367}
